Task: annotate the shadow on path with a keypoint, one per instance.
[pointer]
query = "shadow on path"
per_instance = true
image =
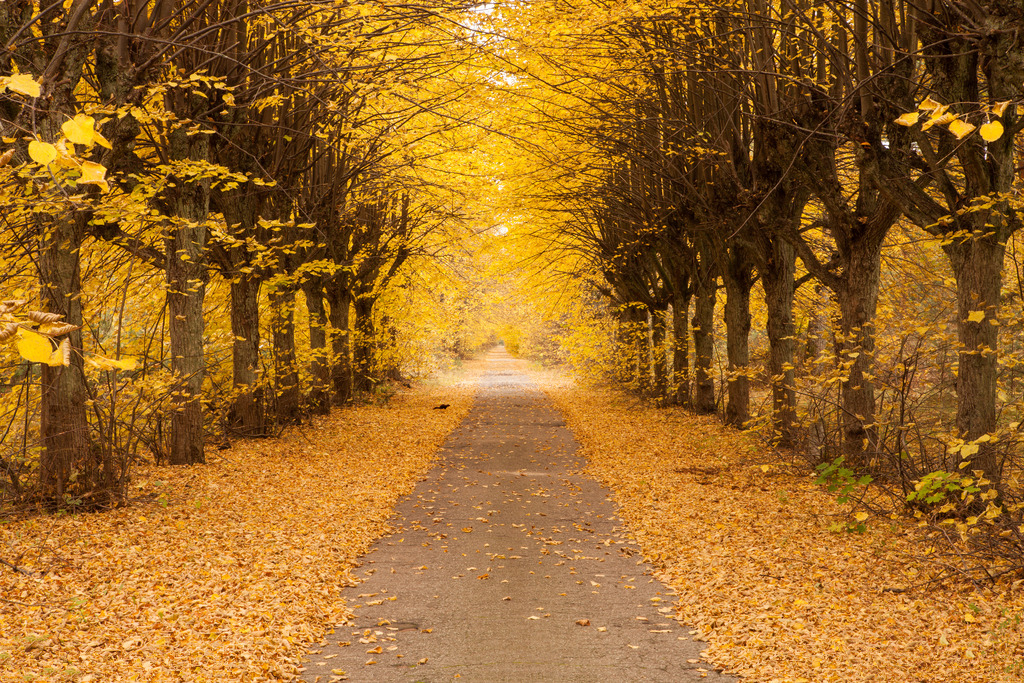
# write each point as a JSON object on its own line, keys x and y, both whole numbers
{"x": 508, "y": 565}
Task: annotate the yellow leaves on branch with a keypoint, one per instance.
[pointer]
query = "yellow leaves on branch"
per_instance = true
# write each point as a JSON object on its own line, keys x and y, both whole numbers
{"x": 81, "y": 130}
{"x": 37, "y": 348}
{"x": 939, "y": 115}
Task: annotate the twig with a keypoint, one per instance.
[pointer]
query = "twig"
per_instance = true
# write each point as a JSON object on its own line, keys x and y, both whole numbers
{"x": 18, "y": 569}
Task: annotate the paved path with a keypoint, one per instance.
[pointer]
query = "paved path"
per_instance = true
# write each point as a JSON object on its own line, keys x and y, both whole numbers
{"x": 509, "y": 565}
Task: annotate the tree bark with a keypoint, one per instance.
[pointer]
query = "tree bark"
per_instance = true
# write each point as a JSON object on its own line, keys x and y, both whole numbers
{"x": 286, "y": 371}
{"x": 186, "y": 290}
{"x": 319, "y": 368}
{"x": 681, "y": 348}
{"x": 704, "y": 347}
{"x": 858, "y": 303}
{"x": 364, "y": 357}
{"x": 977, "y": 264}
{"x": 246, "y": 416}
{"x": 738, "y": 276}
{"x": 64, "y": 425}
{"x": 777, "y": 278}
{"x": 339, "y": 299}
{"x": 660, "y": 361}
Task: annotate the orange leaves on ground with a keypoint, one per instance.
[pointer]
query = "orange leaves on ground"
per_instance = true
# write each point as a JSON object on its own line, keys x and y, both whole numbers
{"x": 776, "y": 594}
{"x": 222, "y": 572}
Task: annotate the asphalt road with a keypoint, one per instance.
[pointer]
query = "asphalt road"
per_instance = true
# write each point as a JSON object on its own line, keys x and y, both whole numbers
{"x": 507, "y": 564}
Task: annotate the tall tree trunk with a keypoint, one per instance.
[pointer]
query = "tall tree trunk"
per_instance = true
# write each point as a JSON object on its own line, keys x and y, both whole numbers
{"x": 777, "y": 278}
{"x": 64, "y": 426}
{"x": 681, "y": 348}
{"x": 738, "y": 278}
{"x": 638, "y": 347}
{"x": 186, "y": 290}
{"x": 246, "y": 416}
{"x": 977, "y": 264}
{"x": 660, "y": 363}
{"x": 364, "y": 358}
{"x": 858, "y": 303}
{"x": 319, "y": 367}
{"x": 339, "y": 299}
{"x": 286, "y": 371}
{"x": 704, "y": 346}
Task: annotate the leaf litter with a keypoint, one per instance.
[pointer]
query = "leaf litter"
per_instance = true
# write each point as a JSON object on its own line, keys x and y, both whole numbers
{"x": 225, "y": 571}
{"x": 760, "y": 576}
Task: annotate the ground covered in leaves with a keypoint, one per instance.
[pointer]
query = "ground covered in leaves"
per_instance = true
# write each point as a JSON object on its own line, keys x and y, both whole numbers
{"x": 221, "y": 572}
{"x": 746, "y": 541}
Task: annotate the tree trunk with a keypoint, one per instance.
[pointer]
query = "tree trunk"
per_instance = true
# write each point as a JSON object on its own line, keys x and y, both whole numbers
{"x": 319, "y": 367}
{"x": 738, "y": 278}
{"x": 186, "y": 289}
{"x": 704, "y": 347}
{"x": 977, "y": 264}
{"x": 778, "y": 281}
{"x": 340, "y": 301}
{"x": 246, "y": 416}
{"x": 638, "y": 347}
{"x": 286, "y": 371}
{"x": 64, "y": 426}
{"x": 660, "y": 364}
{"x": 858, "y": 302}
{"x": 364, "y": 359}
{"x": 681, "y": 348}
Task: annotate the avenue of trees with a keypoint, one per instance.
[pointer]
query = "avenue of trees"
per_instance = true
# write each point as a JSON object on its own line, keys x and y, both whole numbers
{"x": 223, "y": 216}
{"x": 768, "y": 173}
{"x": 187, "y": 189}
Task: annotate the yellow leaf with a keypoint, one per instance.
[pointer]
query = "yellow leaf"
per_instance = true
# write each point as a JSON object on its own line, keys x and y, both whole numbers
{"x": 970, "y": 618}
{"x": 100, "y": 140}
{"x": 975, "y": 316}
{"x": 937, "y": 121}
{"x": 968, "y": 450}
{"x": 64, "y": 155}
{"x": 991, "y": 131}
{"x": 929, "y": 104}
{"x": 999, "y": 108}
{"x": 908, "y": 119}
{"x": 79, "y": 130}
{"x": 960, "y": 128}
{"x": 62, "y": 355}
{"x": 33, "y": 346}
{"x": 94, "y": 174}
{"x": 25, "y": 84}
{"x": 42, "y": 152}
{"x": 860, "y": 516}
